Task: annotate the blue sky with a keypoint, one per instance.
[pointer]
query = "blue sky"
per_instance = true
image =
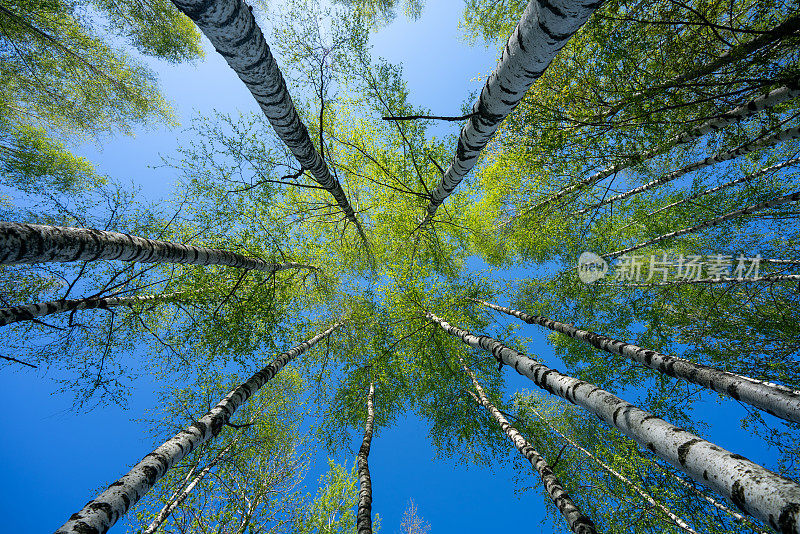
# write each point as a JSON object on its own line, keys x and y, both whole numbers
{"x": 54, "y": 460}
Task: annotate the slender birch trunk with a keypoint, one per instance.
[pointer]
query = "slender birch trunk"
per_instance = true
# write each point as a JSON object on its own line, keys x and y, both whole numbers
{"x": 785, "y": 199}
{"x": 35, "y": 243}
{"x": 736, "y": 53}
{"x": 754, "y": 489}
{"x": 578, "y": 522}
{"x": 232, "y": 29}
{"x": 545, "y": 27}
{"x": 101, "y": 513}
{"x": 181, "y": 495}
{"x": 776, "y": 401}
{"x": 680, "y": 523}
{"x": 770, "y": 278}
{"x": 784, "y": 135}
{"x": 748, "y": 109}
{"x": 364, "y": 514}
{"x": 27, "y": 312}
{"x": 726, "y": 185}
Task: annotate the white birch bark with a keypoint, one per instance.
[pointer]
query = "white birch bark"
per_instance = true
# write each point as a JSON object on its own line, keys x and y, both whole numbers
{"x": 748, "y": 109}
{"x": 364, "y": 513}
{"x": 724, "y": 280}
{"x": 622, "y": 478}
{"x": 785, "y": 199}
{"x": 232, "y": 29}
{"x": 784, "y": 135}
{"x": 103, "y": 511}
{"x": 27, "y": 312}
{"x": 179, "y": 497}
{"x": 578, "y": 522}
{"x": 34, "y": 243}
{"x": 545, "y": 27}
{"x": 736, "y": 53}
{"x": 754, "y": 489}
{"x": 726, "y": 185}
{"x": 780, "y": 402}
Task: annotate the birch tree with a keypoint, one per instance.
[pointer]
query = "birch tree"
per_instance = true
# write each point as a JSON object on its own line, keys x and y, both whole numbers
{"x": 755, "y": 392}
{"x": 233, "y": 31}
{"x": 721, "y": 469}
{"x": 573, "y": 515}
{"x": 107, "y": 508}
{"x": 541, "y": 32}
{"x": 364, "y": 515}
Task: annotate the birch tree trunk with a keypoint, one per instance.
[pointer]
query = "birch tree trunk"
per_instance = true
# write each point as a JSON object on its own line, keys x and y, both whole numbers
{"x": 784, "y": 135}
{"x": 739, "y": 518}
{"x": 101, "y": 513}
{"x": 726, "y": 185}
{"x": 545, "y": 27}
{"x": 779, "y": 402}
{"x": 781, "y": 94}
{"x": 578, "y": 522}
{"x": 27, "y": 312}
{"x": 619, "y": 476}
{"x": 736, "y": 53}
{"x": 754, "y": 489}
{"x": 178, "y": 498}
{"x": 232, "y": 29}
{"x": 769, "y": 278}
{"x": 34, "y": 243}
{"x": 364, "y": 514}
{"x": 785, "y": 199}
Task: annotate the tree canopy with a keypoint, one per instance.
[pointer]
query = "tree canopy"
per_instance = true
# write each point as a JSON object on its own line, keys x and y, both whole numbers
{"x": 626, "y": 182}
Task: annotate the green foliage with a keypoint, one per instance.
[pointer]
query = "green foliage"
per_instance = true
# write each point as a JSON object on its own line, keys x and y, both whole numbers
{"x": 619, "y": 88}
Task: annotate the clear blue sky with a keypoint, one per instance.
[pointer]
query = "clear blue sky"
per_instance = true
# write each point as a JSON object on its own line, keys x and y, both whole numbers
{"x": 53, "y": 461}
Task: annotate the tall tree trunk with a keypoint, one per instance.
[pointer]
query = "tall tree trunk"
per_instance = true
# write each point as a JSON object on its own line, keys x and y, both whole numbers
{"x": 736, "y": 53}
{"x": 726, "y": 185}
{"x": 34, "y": 243}
{"x": 27, "y": 312}
{"x": 739, "y": 518}
{"x": 545, "y": 27}
{"x": 748, "y": 109}
{"x": 785, "y": 199}
{"x": 364, "y": 514}
{"x": 784, "y": 135}
{"x": 754, "y": 489}
{"x": 578, "y": 522}
{"x": 232, "y": 29}
{"x": 619, "y": 476}
{"x": 779, "y": 402}
{"x": 101, "y": 513}
{"x": 181, "y": 495}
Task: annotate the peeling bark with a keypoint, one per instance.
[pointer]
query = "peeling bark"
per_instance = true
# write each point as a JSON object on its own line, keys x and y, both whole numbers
{"x": 753, "y": 489}
{"x": 101, "y": 513}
